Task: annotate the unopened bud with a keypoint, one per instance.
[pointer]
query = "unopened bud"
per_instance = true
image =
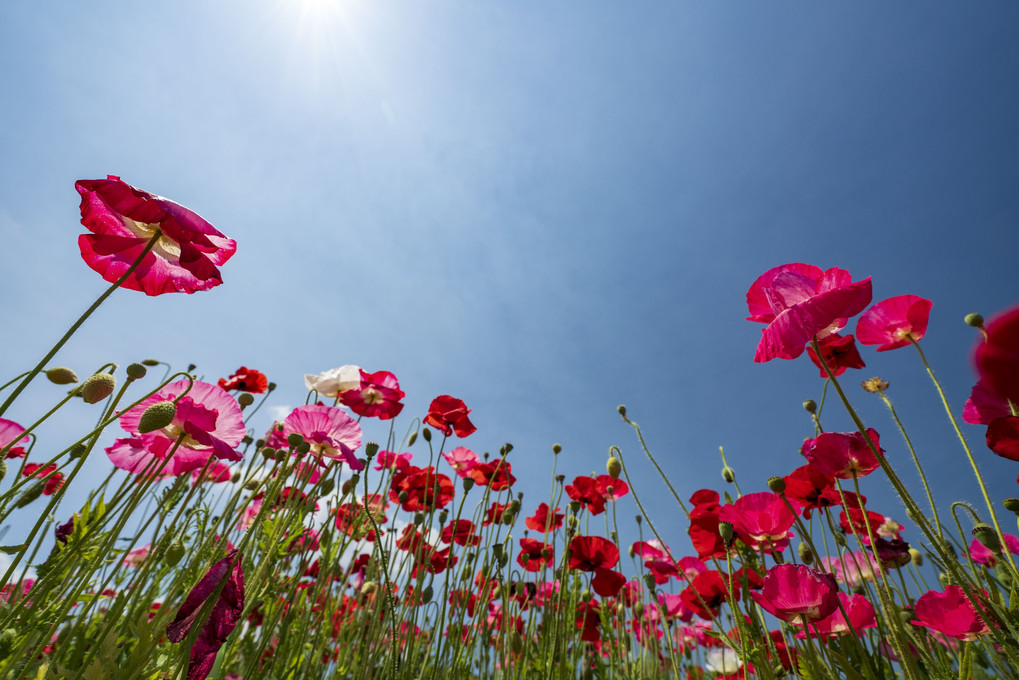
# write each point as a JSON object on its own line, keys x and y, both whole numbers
{"x": 303, "y": 447}
{"x": 505, "y": 449}
{"x": 136, "y": 371}
{"x": 988, "y": 537}
{"x": 245, "y": 399}
{"x": 776, "y": 484}
{"x": 586, "y": 596}
{"x": 725, "y": 530}
{"x": 556, "y": 449}
{"x": 419, "y": 519}
{"x": 402, "y": 496}
{"x": 805, "y": 553}
{"x": 905, "y": 616}
{"x": 327, "y": 485}
{"x": 649, "y": 581}
{"x": 426, "y": 433}
{"x": 61, "y": 375}
{"x": 294, "y": 440}
{"x": 77, "y": 451}
{"x": 426, "y": 596}
{"x": 974, "y": 319}
{"x": 916, "y": 557}
{"x": 30, "y": 494}
{"x": 413, "y": 438}
{"x": 269, "y": 452}
{"x": 252, "y": 484}
{"x": 638, "y": 609}
{"x": 614, "y": 467}
{"x": 369, "y": 587}
{"x": 236, "y": 477}
{"x": 1011, "y": 504}
{"x": 174, "y": 552}
{"x": 507, "y": 517}
{"x": 150, "y": 362}
{"x": 728, "y": 474}
{"x": 347, "y": 486}
{"x": 622, "y": 410}
{"x": 157, "y": 416}
{"x": 97, "y": 387}
{"x": 810, "y": 406}
{"x": 370, "y": 449}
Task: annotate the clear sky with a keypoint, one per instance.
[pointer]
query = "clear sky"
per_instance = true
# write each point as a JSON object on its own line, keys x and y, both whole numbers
{"x": 543, "y": 208}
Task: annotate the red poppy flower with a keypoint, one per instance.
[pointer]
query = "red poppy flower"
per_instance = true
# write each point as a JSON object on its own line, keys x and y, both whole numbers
{"x": 494, "y": 513}
{"x": 55, "y": 481}
{"x": 704, "y": 497}
{"x": 799, "y": 302}
{"x": 843, "y": 454}
{"x": 706, "y": 593}
{"x": 1003, "y": 437}
{"x": 378, "y": 396}
{"x": 460, "y": 532}
{"x": 861, "y": 615}
{"x": 951, "y": 613}
{"x": 227, "y": 579}
{"x": 588, "y": 492}
{"x": 426, "y": 489}
{"x": 123, "y": 219}
{"x": 704, "y": 532}
{"x": 894, "y": 322}
{"x": 805, "y": 487}
{"x": 535, "y": 555}
{"x": 795, "y": 592}
{"x": 839, "y": 353}
{"x": 588, "y": 553}
{"x": 245, "y": 379}
{"x": 761, "y": 520}
{"x": 611, "y": 489}
{"x": 544, "y": 522}
{"x": 997, "y": 358}
{"x": 497, "y": 475}
{"x": 860, "y": 522}
{"x": 607, "y": 582}
{"x": 448, "y": 415}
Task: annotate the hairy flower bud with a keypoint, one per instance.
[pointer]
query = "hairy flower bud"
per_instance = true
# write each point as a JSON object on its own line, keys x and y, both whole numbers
{"x": 810, "y": 406}
{"x": 327, "y": 485}
{"x": 150, "y": 362}
{"x": 556, "y": 449}
{"x": 370, "y": 449}
{"x": 174, "y": 552}
{"x": 136, "y": 371}
{"x": 988, "y": 537}
{"x": 725, "y": 530}
{"x": 728, "y": 474}
{"x": 245, "y": 399}
{"x": 776, "y": 484}
{"x": 294, "y": 440}
{"x": 61, "y": 375}
{"x": 1011, "y": 504}
{"x": 413, "y": 438}
{"x": 97, "y": 387}
{"x": 974, "y": 319}
{"x": 805, "y": 553}
{"x": 157, "y": 416}
{"x": 649, "y": 581}
{"x": 30, "y": 494}
{"x": 586, "y": 596}
{"x": 622, "y": 410}
{"x": 614, "y": 467}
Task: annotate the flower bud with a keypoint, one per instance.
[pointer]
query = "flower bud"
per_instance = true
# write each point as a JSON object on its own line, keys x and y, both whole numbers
{"x": 622, "y": 410}
{"x": 30, "y": 494}
{"x": 586, "y": 596}
{"x": 157, "y": 416}
{"x": 252, "y": 484}
{"x": 916, "y": 557}
{"x": 516, "y": 643}
{"x": 638, "y": 609}
{"x": 556, "y": 449}
{"x": 97, "y": 387}
{"x": 370, "y": 449}
{"x": 613, "y": 466}
{"x": 725, "y": 530}
{"x": 468, "y": 484}
{"x": 413, "y": 438}
{"x": 269, "y": 453}
{"x": 61, "y": 375}
{"x": 974, "y": 319}
{"x": 347, "y": 486}
{"x": 294, "y": 440}
{"x": 988, "y": 537}
{"x": 402, "y": 496}
{"x": 805, "y": 553}
{"x": 905, "y": 616}
{"x": 507, "y": 517}
{"x": 245, "y": 399}
{"x": 776, "y": 484}
{"x": 426, "y": 596}
{"x": 150, "y": 362}
{"x": 810, "y": 406}
{"x": 7, "y": 640}
{"x": 327, "y": 485}
{"x": 77, "y": 451}
{"x": 505, "y": 449}
{"x": 136, "y": 371}
{"x": 303, "y": 447}
{"x": 174, "y": 552}
{"x": 649, "y": 581}
{"x": 728, "y": 474}
{"x": 1011, "y": 504}
{"x": 426, "y": 433}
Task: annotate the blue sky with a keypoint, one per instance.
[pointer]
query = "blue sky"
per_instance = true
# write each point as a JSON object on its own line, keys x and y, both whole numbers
{"x": 546, "y": 209}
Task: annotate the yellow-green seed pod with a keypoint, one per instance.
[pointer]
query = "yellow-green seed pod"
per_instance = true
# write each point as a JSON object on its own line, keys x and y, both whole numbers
{"x": 157, "y": 416}
{"x": 805, "y": 553}
{"x": 136, "y": 371}
{"x": 174, "y": 552}
{"x": 97, "y": 387}
{"x": 916, "y": 557}
{"x": 614, "y": 467}
{"x": 974, "y": 319}
{"x": 61, "y": 375}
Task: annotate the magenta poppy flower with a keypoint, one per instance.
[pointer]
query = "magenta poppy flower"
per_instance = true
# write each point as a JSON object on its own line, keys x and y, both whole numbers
{"x": 997, "y": 358}
{"x": 1003, "y": 437}
{"x": 799, "y": 302}
{"x": 123, "y": 219}
{"x": 950, "y": 613}
{"x": 894, "y": 322}
{"x": 208, "y": 417}
{"x": 982, "y": 555}
{"x": 11, "y": 435}
{"x": 984, "y": 405}
{"x": 839, "y": 353}
{"x": 861, "y": 615}
{"x": 842, "y": 454}
{"x": 795, "y": 592}
{"x": 133, "y": 456}
{"x": 227, "y": 578}
{"x": 378, "y": 396}
{"x": 852, "y": 567}
{"x": 761, "y": 520}
{"x": 330, "y": 431}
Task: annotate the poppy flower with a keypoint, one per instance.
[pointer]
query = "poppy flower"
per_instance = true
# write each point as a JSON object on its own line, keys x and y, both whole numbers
{"x": 894, "y": 322}
{"x": 461, "y": 459}
{"x": 800, "y": 302}
{"x": 761, "y": 520}
{"x": 227, "y": 579}
{"x": 839, "y": 352}
{"x": 1003, "y": 437}
{"x": 588, "y": 553}
{"x": 330, "y": 431}
{"x": 460, "y": 532}
{"x": 861, "y": 615}
{"x": 951, "y": 613}
{"x": 245, "y": 379}
{"x": 387, "y": 460}
{"x": 607, "y": 582}
{"x": 657, "y": 560}
{"x": 11, "y": 435}
{"x": 448, "y": 415}
{"x": 704, "y": 532}
{"x": 842, "y": 454}
{"x": 425, "y": 488}
{"x": 997, "y": 357}
{"x": 795, "y": 592}
{"x": 587, "y": 491}
{"x": 852, "y": 567}
{"x": 377, "y": 395}
{"x": 497, "y": 475}
{"x": 706, "y": 593}
{"x": 54, "y": 480}
{"x": 124, "y": 219}
{"x": 207, "y": 416}
{"x": 335, "y": 381}
{"x": 984, "y": 405}
{"x": 544, "y": 520}
{"x": 535, "y": 555}
{"x": 805, "y": 487}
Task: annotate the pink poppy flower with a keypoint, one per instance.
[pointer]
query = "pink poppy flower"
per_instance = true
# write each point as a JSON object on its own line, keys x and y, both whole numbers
{"x": 799, "y": 302}
{"x": 330, "y": 431}
{"x": 950, "y": 613}
{"x": 861, "y": 615}
{"x": 795, "y": 592}
{"x": 217, "y": 473}
{"x": 984, "y": 405}
{"x": 377, "y": 396}
{"x": 839, "y": 353}
{"x": 842, "y": 454}
{"x": 997, "y": 358}
{"x": 448, "y": 415}
{"x": 657, "y": 560}
{"x": 11, "y": 435}
{"x": 894, "y": 322}
{"x": 461, "y": 459}
{"x": 135, "y": 457}
{"x": 227, "y": 578}
{"x": 982, "y": 555}
{"x": 208, "y": 417}
{"x": 761, "y": 520}
{"x": 136, "y": 558}
{"x": 123, "y": 219}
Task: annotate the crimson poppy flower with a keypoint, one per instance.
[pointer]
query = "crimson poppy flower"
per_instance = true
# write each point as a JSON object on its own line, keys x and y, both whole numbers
{"x": 997, "y": 357}
{"x": 588, "y": 553}
{"x": 705, "y": 497}
{"x": 227, "y": 579}
{"x": 607, "y": 582}
{"x": 800, "y": 302}
{"x": 612, "y": 489}
{"x": 124, "y": 219}
{"x": 839, "y": 352}
{"x": 704, "y": 532}
{"x": 806, "y": 486}
{"x": 706, "y": 593}
{"x": 55, "y": 479}
{"x": 535, "y": 555}
{"x": 894, "y": 322}
{"x": 448, "y": 415}
{"x": 378, "y": 396}
{"x": 544, "y": 521}
{"x": 1003, "y": 437}
{"x": 951, "y": 613}
{"x": 861, "y": 615}
{"x": 460, "y": 532}
{"x": 795, "y": 592}
{"x": 426, "y": 489}
{"x": 843, "y": 454}
{"x": 494, "y": 513}
{"x": 588, "y": 492}
{"x": 761, "y": 520}
{"x": 245, "y": 379}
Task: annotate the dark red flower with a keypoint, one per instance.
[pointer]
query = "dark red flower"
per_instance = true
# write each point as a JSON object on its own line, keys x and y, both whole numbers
{"x": 588, "y": 553}
{"x": 1003, "y": 437}
{"x": 54, "y": 480}
{"x": 706, "y": 593}
{"x": 494, "y": 513}
{"x": 378, "y": 396}
{"x": 460, "y": 532}
{"x": 225, "y": 582}
{"x": 704, "y": 497}
{"x": 607, "y": 582}
{"x": 805, "y": 487}
{"x": 538, "y": 555}
{"x": 448, "y": 415}
{"x": 704, "y": 532}
{"x": 426, "y": 489}
{"x": 843, "y": 454}
{"x": 997, "y": 358}
{"x": 839, "y": 353}
{"x": 246, "y": 379}
{"x": 543, "y": 521}
{"x": 588, "y": 492}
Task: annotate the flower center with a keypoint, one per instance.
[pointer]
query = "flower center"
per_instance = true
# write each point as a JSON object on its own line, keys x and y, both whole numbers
{"x": 173, "y": 431}
{"x": 165, "y": 247}
{"x": 370, "y": 395}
